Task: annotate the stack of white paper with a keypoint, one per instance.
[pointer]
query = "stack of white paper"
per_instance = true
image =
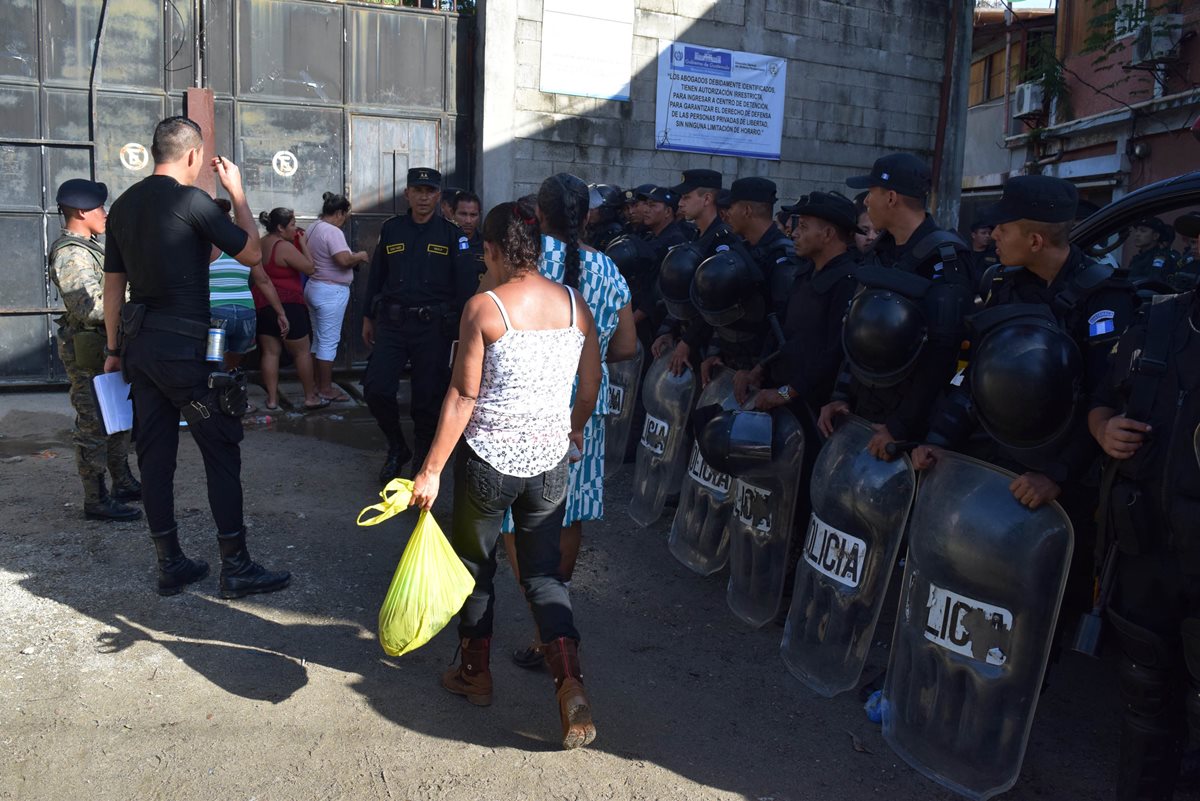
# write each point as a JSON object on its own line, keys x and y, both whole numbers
{"x": 115, "y": 406}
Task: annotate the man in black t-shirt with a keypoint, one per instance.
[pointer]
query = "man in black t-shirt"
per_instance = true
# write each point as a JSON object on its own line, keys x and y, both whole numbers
{"x": 161, "y": 232}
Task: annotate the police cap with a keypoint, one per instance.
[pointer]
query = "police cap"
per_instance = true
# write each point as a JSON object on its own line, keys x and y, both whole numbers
{"x": 902, "y": 173}
{"x": 638, "y": 193}
{"x": 663, "y": 194}
{"x": 698, "y": 179}
{"x": 724, "y": 199}
{"x": 82, "y": 194}
{"x": 1160, "y": 228}
{"x": 425, "y": 176}
{"x": 1041, "y": 198}
{"x": 828, "y": 206}
{"x": 755, "y": 190}
{"x": 1188, "y": 225}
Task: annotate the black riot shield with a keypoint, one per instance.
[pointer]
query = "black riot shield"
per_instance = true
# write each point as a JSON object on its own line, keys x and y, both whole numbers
{"x": 623, "y": 380}
{"x": 698, "y": 536}
{"x": 860, "y": 506}
{"x": 760, "y": 528}
{"x": 663, "y": 447}
{"x": 982, "y": 586}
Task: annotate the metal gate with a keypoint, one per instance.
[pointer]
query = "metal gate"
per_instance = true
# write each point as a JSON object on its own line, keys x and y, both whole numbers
{"x": 309, "y": 97}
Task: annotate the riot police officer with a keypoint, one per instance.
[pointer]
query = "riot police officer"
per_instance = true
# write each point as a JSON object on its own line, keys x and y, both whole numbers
{"x": 983, "y": 251}
{"x": 752, "y": 203}
{"x": 697, "y": 204}
{"x": 467, "y": 215}
{"x": 1144, "y": 416}
{"x": 903, "y": 332}
{"x": 1154, "y": 258}
{"x": 806, "y": 366}
{"x": 663, "y": 230}
{"x": 421, "y": 275}
{"x": 606, "y": 203}
{"x": 161, "y": 232}
{"x": 77, "y": 270}
{"x": 1188, "y": 274}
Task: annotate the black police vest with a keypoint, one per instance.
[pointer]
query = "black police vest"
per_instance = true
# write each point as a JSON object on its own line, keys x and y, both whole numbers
{"x": 1162, "y": 383}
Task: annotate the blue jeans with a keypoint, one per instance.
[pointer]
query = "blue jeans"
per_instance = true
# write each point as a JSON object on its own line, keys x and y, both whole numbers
{"x": 240, "y": 325}
{"x": 481, "y": 496}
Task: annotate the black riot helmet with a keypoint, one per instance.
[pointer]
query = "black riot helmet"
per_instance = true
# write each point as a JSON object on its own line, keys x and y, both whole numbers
{"x": 633, "y": 256}
{"x": 727, "y": 288}
{"x": 882, "y": 336}
{"x": 675, "y": 280}
{"x": 735, "y": 441}
{"x": 1024, "y": 376}
{"x": 605, "y": 196}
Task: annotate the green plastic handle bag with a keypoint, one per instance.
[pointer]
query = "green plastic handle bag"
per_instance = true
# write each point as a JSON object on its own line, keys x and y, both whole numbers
{"x": 430, "y": 584}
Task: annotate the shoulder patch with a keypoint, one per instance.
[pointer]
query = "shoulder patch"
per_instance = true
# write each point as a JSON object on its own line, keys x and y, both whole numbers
{"x": 721, "y": 248}
{"x": 1101, "y": 323}
{"x": 464, "y": 243}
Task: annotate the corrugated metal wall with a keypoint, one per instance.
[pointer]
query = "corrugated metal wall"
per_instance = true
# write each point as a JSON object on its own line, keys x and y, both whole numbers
{"x": 356, "y": 93}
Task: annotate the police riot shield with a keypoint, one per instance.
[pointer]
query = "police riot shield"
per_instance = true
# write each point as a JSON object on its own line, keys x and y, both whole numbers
{"x": 760, "y": 527}
{"x": 623, "y": 380}
{"x": 982, "y": 585}
{"x": 663, "y": 447}
{"x": 860, "y": 506}
{"x": 698, "y": 537}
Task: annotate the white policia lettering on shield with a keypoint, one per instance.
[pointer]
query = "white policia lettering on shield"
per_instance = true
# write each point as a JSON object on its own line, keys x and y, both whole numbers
{"x": 705, "y": 475}
{"x": 946, "y": 626}
{"x": 654, "y": 435}
{"x": 834, "y": 553}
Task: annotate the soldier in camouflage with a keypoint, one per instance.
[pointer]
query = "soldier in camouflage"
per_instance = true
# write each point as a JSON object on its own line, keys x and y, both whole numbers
{"x": 77, "y": 270}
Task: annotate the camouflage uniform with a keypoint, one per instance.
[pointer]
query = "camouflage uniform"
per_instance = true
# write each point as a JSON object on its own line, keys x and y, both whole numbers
{"x": 77, "y": 269}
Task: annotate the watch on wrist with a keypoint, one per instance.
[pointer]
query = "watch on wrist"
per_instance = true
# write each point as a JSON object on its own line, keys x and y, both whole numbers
{"x": 785, "y": 392}
{"x": 110, "y": 352}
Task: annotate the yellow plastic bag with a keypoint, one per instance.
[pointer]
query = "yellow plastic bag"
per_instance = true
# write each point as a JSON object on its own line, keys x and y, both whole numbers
{"x": 430, "y": 584}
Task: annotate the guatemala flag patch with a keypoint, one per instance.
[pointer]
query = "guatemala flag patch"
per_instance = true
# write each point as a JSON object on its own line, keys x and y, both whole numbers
{"x": 464, "y": 243}
{"x": 1101, "y": 323}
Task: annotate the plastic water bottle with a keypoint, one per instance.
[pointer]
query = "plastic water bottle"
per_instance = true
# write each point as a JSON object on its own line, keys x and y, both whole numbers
{"x": 874, "y": 707}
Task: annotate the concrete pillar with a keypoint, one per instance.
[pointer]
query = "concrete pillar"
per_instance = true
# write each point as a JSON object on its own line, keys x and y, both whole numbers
{"x": 959, "y": 17}
{"x": 497, "y": 86}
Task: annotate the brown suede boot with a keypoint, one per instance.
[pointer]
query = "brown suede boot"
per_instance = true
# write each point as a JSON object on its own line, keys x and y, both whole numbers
{"x": 574, "y": 711}
{"x": 471, "y": 678}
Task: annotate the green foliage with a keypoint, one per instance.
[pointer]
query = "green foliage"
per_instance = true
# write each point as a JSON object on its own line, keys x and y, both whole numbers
{"x": 1044, "y": 67}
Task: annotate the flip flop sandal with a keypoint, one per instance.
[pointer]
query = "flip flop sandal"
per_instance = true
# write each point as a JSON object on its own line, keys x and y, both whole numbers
{"x": 272, "y": 408}
{"x": 341, "y": 397}
{"x": 250, "y": 409}
{"x": 320, "y": 405}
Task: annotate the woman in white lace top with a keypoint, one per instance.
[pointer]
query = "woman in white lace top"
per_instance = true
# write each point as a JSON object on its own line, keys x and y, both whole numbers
{"x": 520, "y": 349}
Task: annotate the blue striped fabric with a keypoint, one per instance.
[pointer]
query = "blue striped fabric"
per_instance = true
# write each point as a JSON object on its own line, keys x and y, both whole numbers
{"x": 605, "y": 291}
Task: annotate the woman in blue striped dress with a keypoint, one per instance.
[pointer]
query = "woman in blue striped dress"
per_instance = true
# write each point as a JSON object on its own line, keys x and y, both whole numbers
{"x": 562, "y": 207}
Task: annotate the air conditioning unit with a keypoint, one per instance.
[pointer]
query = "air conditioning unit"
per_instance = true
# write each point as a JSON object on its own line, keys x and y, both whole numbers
{"x": 1157, "y": 39}
{"x": 1027, "y": 100}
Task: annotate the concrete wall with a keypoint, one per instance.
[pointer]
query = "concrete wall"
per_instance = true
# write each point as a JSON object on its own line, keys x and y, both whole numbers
{"x": 861, "y": 82}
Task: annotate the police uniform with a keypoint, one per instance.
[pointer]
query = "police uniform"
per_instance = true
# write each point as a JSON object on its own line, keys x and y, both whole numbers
{"x": 474, "y": 251}
{"x": 1158, "y": 262}
{"x": 774, "y": 252}
{"x": 1150, "y": 507}
{"x": 77, "y": 270}
{"x": 938, "y": 259}
{"x": 421, "y": 276}
{"x": 160, "y": 237}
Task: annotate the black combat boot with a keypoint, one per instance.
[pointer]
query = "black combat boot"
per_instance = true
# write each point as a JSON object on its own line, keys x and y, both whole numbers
{"x": 241, "y": 575}
{"x": 125, "y": 486}
{"x": 175, "y": 571}
{"x": 397, "y": 456}
{"x": 99, "y": 505}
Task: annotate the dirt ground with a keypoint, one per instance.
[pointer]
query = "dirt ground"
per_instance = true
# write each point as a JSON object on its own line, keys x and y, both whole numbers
{"x": 108, "y": 691}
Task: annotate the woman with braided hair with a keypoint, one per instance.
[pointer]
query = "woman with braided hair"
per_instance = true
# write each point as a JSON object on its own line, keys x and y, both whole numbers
{"x": 562, "y": 208}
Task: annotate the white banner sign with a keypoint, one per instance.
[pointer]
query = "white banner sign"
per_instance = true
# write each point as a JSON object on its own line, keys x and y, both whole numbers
{"x": 587, "y": 48}
{"x": 719, "y": 101}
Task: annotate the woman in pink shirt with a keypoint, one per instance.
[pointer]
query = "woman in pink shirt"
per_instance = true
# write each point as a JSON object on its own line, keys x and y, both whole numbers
{"x": 328, "y": 288}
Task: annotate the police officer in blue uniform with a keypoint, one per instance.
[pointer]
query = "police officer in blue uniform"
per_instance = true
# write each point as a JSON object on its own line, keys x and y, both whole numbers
{"x": 421, "y": 275}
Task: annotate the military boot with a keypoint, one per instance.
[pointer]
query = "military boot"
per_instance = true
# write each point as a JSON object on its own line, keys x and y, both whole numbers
{"x": 574, "y": 711}
{"x": 241, "y": 575}
{"x": 397, "y": 456}
{"x": 125, "y": 486}
{"x": 99, "y": 505}
{"x": 472, "y": 678}
{"x": 175, "y": 571}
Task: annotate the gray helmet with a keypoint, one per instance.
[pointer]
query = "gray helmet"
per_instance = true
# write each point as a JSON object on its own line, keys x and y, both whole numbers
{"x": 727, "y": 288}
{"x": 675, "y": 280}
{"x": 735, "y": 441}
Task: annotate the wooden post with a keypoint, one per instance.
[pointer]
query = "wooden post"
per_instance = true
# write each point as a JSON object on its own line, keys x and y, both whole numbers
{"x": 198, "y": 106}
